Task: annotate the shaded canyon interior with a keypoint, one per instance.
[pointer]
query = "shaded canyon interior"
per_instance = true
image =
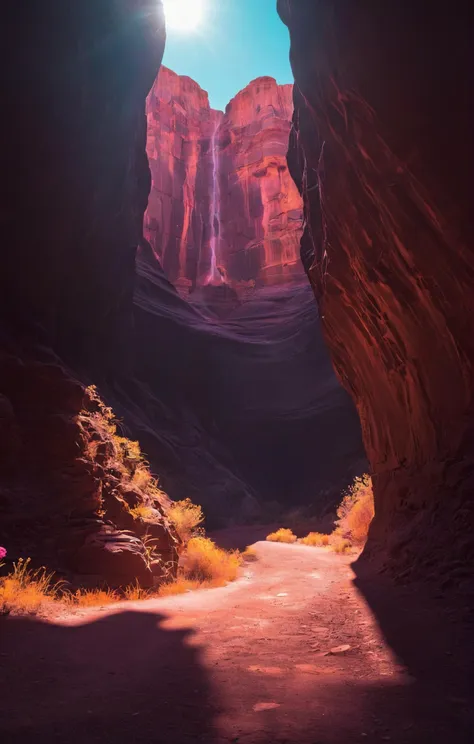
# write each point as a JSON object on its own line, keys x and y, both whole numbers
{"x": 201, "y": 330}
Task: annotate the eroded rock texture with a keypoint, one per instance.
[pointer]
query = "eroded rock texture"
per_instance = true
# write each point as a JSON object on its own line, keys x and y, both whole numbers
{"x": 75, "y": 181}
{"x": 383, "y": 153}
{"x": 220, "y": 185}
{"x": 73, "y": 167}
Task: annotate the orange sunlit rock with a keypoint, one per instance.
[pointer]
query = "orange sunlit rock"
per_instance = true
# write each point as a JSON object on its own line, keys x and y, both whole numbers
{"x": 198, "y": 154}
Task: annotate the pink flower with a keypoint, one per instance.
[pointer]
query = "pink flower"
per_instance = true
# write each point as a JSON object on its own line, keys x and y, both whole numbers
{"x": 3, "y": 553}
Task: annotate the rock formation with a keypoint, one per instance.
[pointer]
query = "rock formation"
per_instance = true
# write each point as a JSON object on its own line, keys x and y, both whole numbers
{"x": 229, "y": 414}
{"x": 84, "y": 70}
{"x": 75, "y": 182}
{"x": 202, "y": 161}
{"x": 382, "y": 151}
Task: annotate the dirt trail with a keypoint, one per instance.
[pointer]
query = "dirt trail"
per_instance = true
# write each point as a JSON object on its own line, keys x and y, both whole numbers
{"x": 248, "y": 663}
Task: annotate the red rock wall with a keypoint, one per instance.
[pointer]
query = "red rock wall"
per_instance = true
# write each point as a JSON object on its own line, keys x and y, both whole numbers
{"x": 384, "y": 158}
{"x": 220, "y": 183}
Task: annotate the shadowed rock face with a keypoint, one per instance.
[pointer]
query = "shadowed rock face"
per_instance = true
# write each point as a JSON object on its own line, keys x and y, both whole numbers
{"x": 383, "y": 153}
{"x": 74, "y": 169}
{"x": 238, "y": 159}
{"x": 75, "y": 182}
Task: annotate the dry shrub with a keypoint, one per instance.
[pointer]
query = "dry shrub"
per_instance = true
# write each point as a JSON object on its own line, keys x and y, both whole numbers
{"x": 91, "y": 597}
{"x": 25, "y": 590}
{"x": 249, "y": 555}
{"x": 339, "y": 544}
{"x": 203, "y": 561}
{"x": 315, "y": 539}
{"x": 145, "y": 512}
{"x": 141, "y": 477}
{"x": 179, "y": 586}
{"x": 135, "y": 592}
{"x": 186, "y": 518}
{"x": 282, "y": 535}
{"x": 356, "y": 511}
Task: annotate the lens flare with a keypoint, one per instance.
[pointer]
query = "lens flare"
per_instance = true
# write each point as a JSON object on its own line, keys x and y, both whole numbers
{"x": 185, "y": 16}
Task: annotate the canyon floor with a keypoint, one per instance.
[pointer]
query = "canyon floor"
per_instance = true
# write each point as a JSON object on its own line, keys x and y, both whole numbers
{"x": 301, "y": 648}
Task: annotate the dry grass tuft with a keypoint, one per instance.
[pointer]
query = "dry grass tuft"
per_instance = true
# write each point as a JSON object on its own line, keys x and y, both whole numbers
{"x": 187, "y": 518}
{"x": 144, "y": 512}
{"x": 282, "y": 535}
{"x": 249, "y": 555}
{"x": 141, "y": 478}
{"x": 356, "y": 511}
{"x": 315, "y": 539}
{"x": 339, "y": 544}
{"x": 204, "y": 561}
{"x": 91, "y": 597}
{"x": 179, "y": 586}
{"x": 25, "y": 590}
{"x": 135, "y": 593}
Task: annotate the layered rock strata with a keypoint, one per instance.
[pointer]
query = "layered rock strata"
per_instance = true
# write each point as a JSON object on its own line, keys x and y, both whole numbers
{"x": 223, "y": 207}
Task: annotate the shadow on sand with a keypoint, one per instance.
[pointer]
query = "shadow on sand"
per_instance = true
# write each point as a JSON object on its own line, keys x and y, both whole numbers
{"x": 431, "y": 638}
{"x": 125, "y": 678}
{"x": 117, "y": 679}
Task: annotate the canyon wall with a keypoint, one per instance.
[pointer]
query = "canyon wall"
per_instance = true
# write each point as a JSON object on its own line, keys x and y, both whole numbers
{"x": 222, "y": 205}
{"x": 383, "y": 153}
{"x": 74, "y": 196}
{"x": 75, "y": 182}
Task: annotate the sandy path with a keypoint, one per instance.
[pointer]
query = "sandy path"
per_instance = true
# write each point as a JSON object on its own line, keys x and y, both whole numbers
{"x": 246, "y": 663}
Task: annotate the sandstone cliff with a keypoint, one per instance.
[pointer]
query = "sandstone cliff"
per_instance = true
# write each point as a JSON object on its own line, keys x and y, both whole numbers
{"x": 222, "y": 203}
{"x": 383, "y": 153}
{"x": 75, "y": 181}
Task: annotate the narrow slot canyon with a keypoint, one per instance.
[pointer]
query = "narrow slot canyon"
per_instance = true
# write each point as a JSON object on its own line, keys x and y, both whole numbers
{"x": 236, "y": 382}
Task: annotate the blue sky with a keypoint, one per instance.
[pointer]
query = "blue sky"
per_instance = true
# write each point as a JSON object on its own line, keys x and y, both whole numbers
{"x": 238, "y": 41}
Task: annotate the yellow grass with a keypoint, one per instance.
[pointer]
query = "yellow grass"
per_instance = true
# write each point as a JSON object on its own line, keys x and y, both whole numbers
{"x": 249, "y": 555}
{"x": 203, "y": 560}
{"x": 25, "y": 590}
{"x": 339, "y": 544}
{"x": 315, "y": 539}
{"x": 282, "y": 535}
{"x": 142, "y": 511}
{"x": 141, "y": 477}
{"x": 179, "y": 586}
{"x": 91, "y": 597}
{"x": 186, "y": 518}
{"x": 356, "y": 511}
{"x": 135, "y": 593}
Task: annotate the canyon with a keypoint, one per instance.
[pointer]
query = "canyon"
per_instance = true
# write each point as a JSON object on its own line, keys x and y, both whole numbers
{"x": 215, "y": 366}
{"x": 150, "y": 264}
{"x": 221, "y": 285}
{"x": 386, "y": 235}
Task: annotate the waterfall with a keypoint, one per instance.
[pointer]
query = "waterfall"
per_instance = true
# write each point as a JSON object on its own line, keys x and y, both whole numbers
{"x": 214, "y": 275}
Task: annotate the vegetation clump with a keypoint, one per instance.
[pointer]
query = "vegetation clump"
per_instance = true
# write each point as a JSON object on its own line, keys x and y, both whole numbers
{"x": 356, "y": 511}
{"x": 282, "y": 535}
{"x": 187, "y": 519}
{"x": 354, "y": 516}
{"x": 26, "y": 590}
{"x": 315, "y": 539}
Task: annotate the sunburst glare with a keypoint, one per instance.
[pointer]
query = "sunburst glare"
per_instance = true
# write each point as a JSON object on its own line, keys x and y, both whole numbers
{"x": 184, "y": 16}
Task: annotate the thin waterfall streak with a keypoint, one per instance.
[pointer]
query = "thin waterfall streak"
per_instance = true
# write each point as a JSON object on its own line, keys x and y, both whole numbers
{"x": 214, "y": 273}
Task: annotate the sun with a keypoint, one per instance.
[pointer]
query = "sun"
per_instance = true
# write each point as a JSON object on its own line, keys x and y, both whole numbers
{"x": 184, "y": 15}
